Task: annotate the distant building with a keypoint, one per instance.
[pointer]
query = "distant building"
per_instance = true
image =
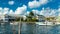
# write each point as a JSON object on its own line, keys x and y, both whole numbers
{"x": 7, "y": 19}
{"x": 41, "y": 18}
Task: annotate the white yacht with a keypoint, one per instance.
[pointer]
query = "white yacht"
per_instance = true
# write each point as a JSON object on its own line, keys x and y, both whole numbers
{"x": 47, "y": 23}
{"x": 43, "y": 23}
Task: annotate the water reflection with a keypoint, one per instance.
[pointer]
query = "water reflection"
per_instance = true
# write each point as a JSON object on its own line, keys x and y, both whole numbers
{"x": 29, "y": 29}
{"x": 48, "y": 29}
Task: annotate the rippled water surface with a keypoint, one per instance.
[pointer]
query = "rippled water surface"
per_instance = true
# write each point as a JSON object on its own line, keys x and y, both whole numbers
{"x": 30, "y": 29}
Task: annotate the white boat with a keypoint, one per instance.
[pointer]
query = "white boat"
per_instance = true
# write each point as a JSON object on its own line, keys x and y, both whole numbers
{"x": 58, "y": 23}
{"x": 47, "y": 23}
{"x": 43, "y": 23}
{"x": 15, "y": 23}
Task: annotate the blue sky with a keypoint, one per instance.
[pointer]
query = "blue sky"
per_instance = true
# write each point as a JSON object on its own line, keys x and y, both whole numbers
{"x": 54, "y": 4}
{"x": 17, "y": 3}
{"x": 30, "y": 5}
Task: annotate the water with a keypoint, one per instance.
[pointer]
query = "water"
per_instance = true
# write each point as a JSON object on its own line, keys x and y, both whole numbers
{"x": 30, "y": 29}
{"x": 47, "y": 29}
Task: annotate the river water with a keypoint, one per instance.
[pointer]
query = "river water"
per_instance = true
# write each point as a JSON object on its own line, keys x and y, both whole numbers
{"x": 30, "y": 29}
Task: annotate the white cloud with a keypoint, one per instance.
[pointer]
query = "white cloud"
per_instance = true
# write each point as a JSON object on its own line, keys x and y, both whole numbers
{"x": 11, "y": 2}
{"x": 35, "y": 11}
{"x": 21, "y": 10}
{"x": 53, "y": 13}
{"x": 35, "y": 4}
{"x": 5, "y": 10}
{"x": 43, "y": 1}
{"x": 48, "y": 12}
{"x": 11, "y": 12}
{"x": 27, "y": 13}
{"x": 59, "y": 11}
{"x": 1, "y": 10}
{"x": 43, "y": 11}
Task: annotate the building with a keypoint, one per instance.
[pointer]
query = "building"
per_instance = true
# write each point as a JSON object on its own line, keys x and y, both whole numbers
{"x": 41, "y": 18}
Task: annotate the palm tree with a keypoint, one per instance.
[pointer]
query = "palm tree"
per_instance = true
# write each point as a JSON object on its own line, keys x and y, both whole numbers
{"x": 31, "y": 14}
{"x": 31, "y": 17}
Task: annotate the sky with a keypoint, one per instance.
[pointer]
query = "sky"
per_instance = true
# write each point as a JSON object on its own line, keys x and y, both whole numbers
{"x": 23, "y": 7}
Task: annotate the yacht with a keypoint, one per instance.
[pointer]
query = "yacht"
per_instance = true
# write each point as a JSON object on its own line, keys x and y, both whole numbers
{"x": 44, "y": 23}
{"x": 48, "y": 23}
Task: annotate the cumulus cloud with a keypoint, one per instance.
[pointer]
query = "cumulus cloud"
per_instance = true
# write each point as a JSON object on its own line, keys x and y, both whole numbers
{"x": 21, "y": 10}
{"x": 43, "y": 1}
{"x": 48, "y": 12}
{"x": 5, "y": 10}
{"x": 27, "y": 13}
{"x": 42, "y": 11}
{"x": 59, "y": 11}
{"x": 1, "y": 10}
{"x": 35, "y": 12}
{"x": 53, "y": 13}
{"x": 35, "y": 4}
{"x": 11, "y": 12}
{"x": 11, "y": 2}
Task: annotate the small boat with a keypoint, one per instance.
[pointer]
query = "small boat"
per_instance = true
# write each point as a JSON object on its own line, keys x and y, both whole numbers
{"x": 42, "y": 23}
{"x": 47, "y": 23}
{"x": 13, "y": 23}
{"x": 58, "y": 23}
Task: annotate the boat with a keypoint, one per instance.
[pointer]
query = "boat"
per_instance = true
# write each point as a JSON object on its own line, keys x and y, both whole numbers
{"x": 13, "y": 23}
{"x": 42, "y": 23}
{"x": 47, "y": 23}
{"x": 58, "y": 23}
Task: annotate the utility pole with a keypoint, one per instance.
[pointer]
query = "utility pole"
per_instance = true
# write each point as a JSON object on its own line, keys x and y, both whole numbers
{"x": 14, "y": 31}
{"x": 19, "y": 29}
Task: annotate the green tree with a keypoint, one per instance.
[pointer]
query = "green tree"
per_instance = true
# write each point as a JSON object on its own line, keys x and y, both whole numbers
{"x": 31, "y": 18}
{"x": 31, "y": 14}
